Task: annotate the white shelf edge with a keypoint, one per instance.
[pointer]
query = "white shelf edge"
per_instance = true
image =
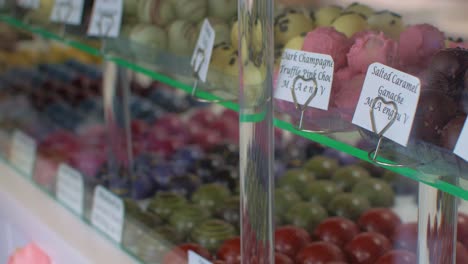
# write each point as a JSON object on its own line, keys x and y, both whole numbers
{"x": 65, "y": 237}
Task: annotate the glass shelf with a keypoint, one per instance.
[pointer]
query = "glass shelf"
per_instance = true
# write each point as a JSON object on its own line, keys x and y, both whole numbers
{"x": 121, "y": 60}
{"x": 184, "y": 83}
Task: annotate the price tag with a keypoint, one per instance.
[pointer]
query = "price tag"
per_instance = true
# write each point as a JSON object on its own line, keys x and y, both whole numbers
{"x": 106, "y": 18}
{"x": 23, "y": 152}
{"x": 108, "y": 213}
{"x": 202, "y": 54}
{"x": 30, "y": 4}
{"x": 305, "y": 72}
{"x": 70, "y": 188}
{"x": 67, "y": 11}
{"x": 461, "y": 148}
{"x": 194, "y": 258}
{"x": 394, "y": 95}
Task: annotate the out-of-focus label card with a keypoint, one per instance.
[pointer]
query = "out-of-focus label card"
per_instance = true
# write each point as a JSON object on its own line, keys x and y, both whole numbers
{"x": 23, "y": 152}
{"x": 461, "y": 148}
{"x": 194, "y": 258}
{"x": 67, "y": 11}
{"x": 395, "y": 97}
{"x": 106, "y": 18}
{"x": 108, "y": 213}
{"x": 309, "y": 74}
{"x": 202, "y": 54}
{"x": 30, "y": 4}
{"x": 70, "y": 188}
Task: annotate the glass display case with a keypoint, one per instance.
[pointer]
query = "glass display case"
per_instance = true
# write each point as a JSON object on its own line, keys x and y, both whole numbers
{"x": 325, "y": 132}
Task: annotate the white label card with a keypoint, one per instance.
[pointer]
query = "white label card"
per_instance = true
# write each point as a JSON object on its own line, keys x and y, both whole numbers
{"x": 390, "y": 85}
{"x": 30, "y": 4}
{"x": 461, "y": 148}
{"x": 23, "y": 152}
{"x": 194, "y": 258}
{"x": 305, "y": 71}
{"x": 202, "y": 54}
{"x": 67, "y": 11}
{"x": 106, "y": 18}
{"x": 70, "y": 188}
{"x": 108, "y": 213}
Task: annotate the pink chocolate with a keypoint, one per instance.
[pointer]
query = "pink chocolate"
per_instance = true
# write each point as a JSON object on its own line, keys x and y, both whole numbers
{"x": 326, "y": 40}
{"x": 418, "y": 43}
{"x": 370, "y": 48}
{"x": 28, "y": 255}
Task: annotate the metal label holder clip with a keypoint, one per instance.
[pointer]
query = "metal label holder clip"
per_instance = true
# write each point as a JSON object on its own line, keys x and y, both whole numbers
{"x": 64, "y": 11}
{"x": 105, "y": 32}
{"x": 303, "y": 108}
{"x": 373, "y": 155}
{"x": 200, "y": 57}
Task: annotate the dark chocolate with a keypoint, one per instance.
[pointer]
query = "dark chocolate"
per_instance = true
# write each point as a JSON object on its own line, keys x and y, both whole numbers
{"x": 451, "y": 132}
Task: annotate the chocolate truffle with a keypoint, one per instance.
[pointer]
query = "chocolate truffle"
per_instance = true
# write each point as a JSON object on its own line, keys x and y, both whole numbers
{"x": 435, "y": 109}
{"x": 447, "y": 62}
{"x": 451, "y": 132}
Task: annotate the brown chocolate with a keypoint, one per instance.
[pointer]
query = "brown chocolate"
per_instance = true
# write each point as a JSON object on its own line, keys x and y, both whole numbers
{"x": 435, "y": 109}
{"x": 451, "y": 132}
{"x": 447, "y": 62}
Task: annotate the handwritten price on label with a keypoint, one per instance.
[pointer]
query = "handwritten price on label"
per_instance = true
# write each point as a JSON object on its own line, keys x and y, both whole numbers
{"x": 23, "y": 152}
{"x": 202, "y": 54}
{"x": 70, "y": 188}
{"x": 30, "y": 4}
{"x": 108, "y": 213}
{"x": 194, "y": 258}
{"x": 67, "y": 11}
{"x": 398, "y": 94}
{"x": 106, "y": 18}
{"x": 309, "y": 66}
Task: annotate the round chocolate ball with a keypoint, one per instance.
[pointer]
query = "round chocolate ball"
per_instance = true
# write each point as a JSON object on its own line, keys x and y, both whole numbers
{"x": 306, "y": 215}
{"x": 211, "y": 196}
{"x": 378, "y": 192}
{"x": 446, "y": 62}
{"x": 348, "y": 205}
{"x": 322, "y": 167}
{"x": 435, "y": 109}
{"x": 321, "y": 191}
{"x": 186, "y": 218}
{"x": 212, "y": 233}
{"x": 165, "y": 203}
{"x": 346, "y": 177}
{"x": 451, "y": 132}
{"x": 283, "y": 200}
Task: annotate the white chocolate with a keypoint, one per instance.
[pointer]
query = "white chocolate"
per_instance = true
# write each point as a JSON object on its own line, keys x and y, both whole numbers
{"x": 325, "y": 15}
{"x": 289, "y": 25}
{"x": 225, "y": 9}
{"x": 390, "y": 24}
{"x": 360, "y": 9}
{"x": 182, "y": 36}
{"x": 191, "y": 10}
{"x": 350, "y": 23}
{"x": 150, "y": 36}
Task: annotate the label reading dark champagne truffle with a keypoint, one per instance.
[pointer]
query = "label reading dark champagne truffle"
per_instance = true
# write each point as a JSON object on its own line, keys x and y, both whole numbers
{"x": 107, "y": 214}
{"x": 202, "y": 54}
{"x": 30, "y": 4}
{"x": 461, "y": 148}
{"x": 23, "y": 152}
{"x": 394, "y": 96}
{"x": 70, "y": 188}
{"x": 67, "y": 11}
{"x": 194, "y": 258}
{"x": 106, "y": 18}
{"x": 309, "y": 74}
